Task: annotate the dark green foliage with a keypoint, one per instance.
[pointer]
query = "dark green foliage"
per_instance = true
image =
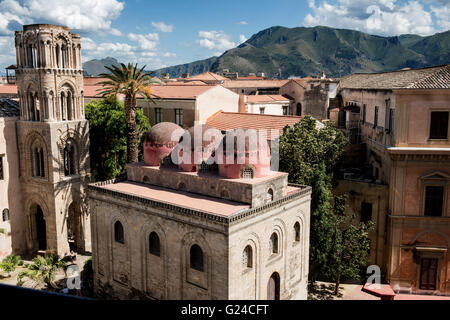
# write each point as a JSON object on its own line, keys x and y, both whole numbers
{"x": 350, "y": 245}
{"x": 108, "y": 142}
{"x": 43, "y": 269}
{"x": 311, "y": 157}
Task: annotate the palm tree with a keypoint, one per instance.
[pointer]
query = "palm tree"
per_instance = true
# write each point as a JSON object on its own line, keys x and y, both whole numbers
{"x": 43, "y": 269}
{"x": 130, "y": 82}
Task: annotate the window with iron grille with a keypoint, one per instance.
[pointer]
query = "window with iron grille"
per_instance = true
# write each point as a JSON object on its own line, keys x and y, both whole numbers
{"x": 375, "y": 118}
{"x": 439, "y": 125}
{"x": 247, "y": 173}
{"x": 434, "y": 200}
{"x": 158, "y": 115}
{"x": 364, "y": 114}
{"x": 179, "y": 117}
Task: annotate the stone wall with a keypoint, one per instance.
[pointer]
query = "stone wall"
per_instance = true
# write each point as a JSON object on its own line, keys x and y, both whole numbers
{"x": 130, "y": 271}
{"x": 252, "y": 191}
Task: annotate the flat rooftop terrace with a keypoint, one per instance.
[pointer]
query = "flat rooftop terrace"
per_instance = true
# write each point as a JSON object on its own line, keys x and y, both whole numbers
{"x": 203, "y": 203}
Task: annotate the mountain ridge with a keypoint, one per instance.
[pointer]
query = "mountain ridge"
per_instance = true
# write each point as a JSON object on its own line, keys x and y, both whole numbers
{"x": 283, "y": 52}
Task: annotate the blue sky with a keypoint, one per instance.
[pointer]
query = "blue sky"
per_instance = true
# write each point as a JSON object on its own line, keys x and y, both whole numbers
{"x": 164, "y": 33}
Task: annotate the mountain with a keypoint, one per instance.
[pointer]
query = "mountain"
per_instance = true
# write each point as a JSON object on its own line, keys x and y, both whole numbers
{"x": 309, "y": 51}
{"x": 192, "y": 68}
{"x": 95, "y": 67}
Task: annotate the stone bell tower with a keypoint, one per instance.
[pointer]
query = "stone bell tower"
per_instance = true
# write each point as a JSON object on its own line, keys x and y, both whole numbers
{"x": 53, "y": 138}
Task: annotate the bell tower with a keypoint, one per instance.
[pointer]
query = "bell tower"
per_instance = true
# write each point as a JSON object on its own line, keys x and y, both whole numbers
{"x": 53, "y": 138}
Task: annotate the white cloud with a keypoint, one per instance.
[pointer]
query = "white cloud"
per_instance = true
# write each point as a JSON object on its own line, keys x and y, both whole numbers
{"x": 242, "y": 38}
{"x": 242, "y": 22}
{"x": 443, "y": 16}
{"x": 169, "y": 54}
{"x": 384, "y": 17}
{"x": 83, "y": 15}
{"x": 215, "y": 40}
{"x": 7, "y": 51}
{"x": 161, "y": 26}
{"x": 146, "y": 41}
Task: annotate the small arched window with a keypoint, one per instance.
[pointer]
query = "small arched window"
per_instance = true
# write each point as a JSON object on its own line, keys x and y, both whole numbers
{"x": 69, "y": 160}
{"x": 62, "y": 103}
{"x": 247, "y": 173}
{"x": 38, "y": 163}
{"x": 274, "y": 243}
{"x": 196, "y": 258}
{"x": 118, "y": 232}
{"x": 5, "y": 215}
{"x": 154, "y": 244}
{"x": 269, "y": 196}
{"x": 247, "y": 257}
{"x": 297, "y": 231}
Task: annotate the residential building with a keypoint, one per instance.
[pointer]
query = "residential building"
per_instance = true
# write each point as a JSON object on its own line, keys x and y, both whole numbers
{"x": 402, "y": 119}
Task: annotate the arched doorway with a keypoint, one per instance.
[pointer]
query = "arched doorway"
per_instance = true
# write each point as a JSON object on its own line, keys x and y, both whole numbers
{"x": 299, "y": 109}
{"x": 273, "y": 287}
{"x": 40, "y": 227}
{"x": 74, "y": 227}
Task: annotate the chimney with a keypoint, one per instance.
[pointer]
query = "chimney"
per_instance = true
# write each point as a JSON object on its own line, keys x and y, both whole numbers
{"x": 241, "y": 105}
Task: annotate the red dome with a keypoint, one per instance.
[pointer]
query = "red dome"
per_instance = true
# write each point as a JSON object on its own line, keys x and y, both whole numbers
{"x": 255, "y": 155}
{"x": 202, "y": 154}
{"x": 159, "y": 142}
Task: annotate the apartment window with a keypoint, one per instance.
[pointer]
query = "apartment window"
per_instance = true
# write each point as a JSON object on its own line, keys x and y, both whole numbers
{"x": 158, "y": 115}
{"x": 366, "y": 212}
{"x": 2, "y": 176}
{"x": 364, "y": 114}
{"x": 179, "y": 117}
{"x": 391, "y": 121}
{"x": 434, "y": 200}
{"x": 375, "y": 118}
{"x": 261, "y": 110}
{"x": 285, "y": 110}
{"x": 439, "y": 125}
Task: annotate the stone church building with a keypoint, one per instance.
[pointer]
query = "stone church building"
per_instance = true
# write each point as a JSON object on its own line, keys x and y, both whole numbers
{"x": 44, "y": 143}
{"x": 199, "y": 231}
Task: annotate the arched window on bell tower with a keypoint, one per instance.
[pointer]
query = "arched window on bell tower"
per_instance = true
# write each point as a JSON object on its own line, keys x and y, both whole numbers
{"x": 69, "y": 158}
{"x": 57, "y": 55}
{"x": 62, "y": 106}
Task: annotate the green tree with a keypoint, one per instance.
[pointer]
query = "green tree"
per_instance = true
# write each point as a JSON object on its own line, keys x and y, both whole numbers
{"x": 108, "y": 144}
{"x": 43, "y": 269}
{"x": 350, "y": 245}
{"x": 131, "y": 82}
{"x": 10, "y": 263}
{"x": 312, "y": 156}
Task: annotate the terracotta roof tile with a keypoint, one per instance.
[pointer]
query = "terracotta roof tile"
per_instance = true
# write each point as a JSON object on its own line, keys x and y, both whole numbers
{"x": 254, "y": 83}
{"x": 8, "y": 89}
{"x": 229, "y": 120}
{"x": 179, "y": 92}
{"x": 266, "y": 98}
{"x": 208, "y": 76}
{"x": 425, "y": 78}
